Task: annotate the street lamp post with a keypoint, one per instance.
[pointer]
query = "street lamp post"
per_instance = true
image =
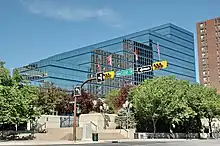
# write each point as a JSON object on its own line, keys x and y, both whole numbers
{"x": 104, "y": 108}
{"x": 74, "y": 120}
{"x": 74, "y": 116}
{"x": 76, "y": 111}
{"x": 127, "y": 105}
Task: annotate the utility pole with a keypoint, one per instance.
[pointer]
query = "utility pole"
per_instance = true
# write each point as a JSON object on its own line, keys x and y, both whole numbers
{"x": 74, "y": 120}
{"x": 76, "y": 93}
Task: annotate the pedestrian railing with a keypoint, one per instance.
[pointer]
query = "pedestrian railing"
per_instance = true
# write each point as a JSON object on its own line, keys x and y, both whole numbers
{"x": 41, "y": 128}
{"x": 96, "y": 127}
{"x": 66, "y": 122}
{"x": 122, "y": 128}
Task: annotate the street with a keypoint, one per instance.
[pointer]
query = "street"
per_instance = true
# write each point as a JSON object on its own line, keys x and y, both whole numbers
{"x": 142, "y": 143}
{"x": 160, "y": 143}
{"x": 164, "y": 143}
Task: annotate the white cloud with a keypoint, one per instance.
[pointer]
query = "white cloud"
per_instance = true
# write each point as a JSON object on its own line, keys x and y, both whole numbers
{"x": 56, "y": 10}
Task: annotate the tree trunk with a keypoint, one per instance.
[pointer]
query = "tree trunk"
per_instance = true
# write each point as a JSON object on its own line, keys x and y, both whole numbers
{"x": 188, "y": 126}
{"x": 154, "y": 124}
{"x": 210, "y": 127}
{"x": 155, "y": 128}
{"x": 199, "y": 125}
{"x": 171, "y": 131}
{"x": 2, "y": 130}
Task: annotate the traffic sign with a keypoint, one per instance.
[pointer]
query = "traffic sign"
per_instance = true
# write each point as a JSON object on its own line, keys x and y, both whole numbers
{"x": 99, "y": 77}
{"x": 146, "y": 68}
{"x": 126, "y": 72}
{"x": 159, "y": 65}
{"x": 109, "y": 75}
{"x": 77, "y": 91}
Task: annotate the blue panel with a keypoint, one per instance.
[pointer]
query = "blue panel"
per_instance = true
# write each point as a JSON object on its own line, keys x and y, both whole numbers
{"x": 163, "y": 31}
{"x": 182, "y": 34}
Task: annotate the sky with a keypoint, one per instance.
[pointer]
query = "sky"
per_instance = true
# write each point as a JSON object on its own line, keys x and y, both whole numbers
{"x": 31, "y": 30}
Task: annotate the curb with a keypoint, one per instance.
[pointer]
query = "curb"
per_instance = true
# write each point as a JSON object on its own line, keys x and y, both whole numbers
{"x": 148, "y": 140}
{"x": 88, "y": 142}
{"x": 21, "y": 143}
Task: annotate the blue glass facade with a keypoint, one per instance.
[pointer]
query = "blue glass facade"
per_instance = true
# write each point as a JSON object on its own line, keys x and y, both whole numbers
{"x": 73, "y": 67}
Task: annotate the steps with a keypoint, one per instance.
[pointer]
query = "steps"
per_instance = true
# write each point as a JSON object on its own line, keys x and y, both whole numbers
{"x": 55, "y": 134}
{"x": 112, "y": 134}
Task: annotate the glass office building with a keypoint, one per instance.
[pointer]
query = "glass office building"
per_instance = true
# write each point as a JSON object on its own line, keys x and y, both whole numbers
{"x": 71, "y": 68}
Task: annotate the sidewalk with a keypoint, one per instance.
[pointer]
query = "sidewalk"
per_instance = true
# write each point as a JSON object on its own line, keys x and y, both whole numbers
{"x": 149, "y": 140}
{"x": 35, "y": 142}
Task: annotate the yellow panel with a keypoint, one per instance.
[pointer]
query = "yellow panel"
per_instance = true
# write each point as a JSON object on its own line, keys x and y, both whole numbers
{"x": 159, "y": 65}
{"x": 109, "y": 75}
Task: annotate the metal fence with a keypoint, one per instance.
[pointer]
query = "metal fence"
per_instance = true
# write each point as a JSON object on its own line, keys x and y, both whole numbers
{"x": 168, "y": 136}
{"x": 68, "y": 121}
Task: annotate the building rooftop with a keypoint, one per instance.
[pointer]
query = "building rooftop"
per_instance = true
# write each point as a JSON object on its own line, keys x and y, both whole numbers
{"x": 208, "y": 20}
{"x": 114, "y": 40}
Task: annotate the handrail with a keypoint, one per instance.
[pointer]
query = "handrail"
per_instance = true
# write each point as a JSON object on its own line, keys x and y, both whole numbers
{"x": 68, "y": 118}
{"x": 94, "y": 125}
{"x": 39, "y": 126}
{"x": 121, "y": 127}
{"x": 43, "y": 125}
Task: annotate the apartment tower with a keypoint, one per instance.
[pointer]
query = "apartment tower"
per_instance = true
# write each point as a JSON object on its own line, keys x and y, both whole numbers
{"x": 208, "y": 39}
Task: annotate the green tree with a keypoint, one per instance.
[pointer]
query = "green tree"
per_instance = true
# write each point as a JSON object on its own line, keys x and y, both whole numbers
{"x": 125, "y": 119}
{"x": 17, "y": 78}
{"x": 176, "y": 102}
{"x": 28, "y": 101}
{"x": 124, "y": 95}
{"x": 5, "y": 78}
{"x": 177, "y": 110}
{"x": 162, "y": 97}
{"x": 110, "y": 100}
{"x": 2, "y": 64}
{"x": 194, "y": 97}
{"x": 16, "y": 101}
{"x": 8, "y": 112}
{"x": 49, "y": 97}
{"x": 64, "y": 106}
{"x": 210, "y": 105}
{"x": 117, "y": 97}
{"x": 148, "y": 100}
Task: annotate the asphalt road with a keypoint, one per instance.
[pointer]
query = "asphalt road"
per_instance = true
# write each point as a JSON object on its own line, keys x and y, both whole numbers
{"x": 154, "y": 143}
{"x": 167, "y": 143}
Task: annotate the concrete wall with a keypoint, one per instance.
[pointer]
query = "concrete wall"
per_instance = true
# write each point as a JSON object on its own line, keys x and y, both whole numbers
{"x": 128, "y": 133}
{"x": 54, "y": 121}
{"x": 50, "y": 120}
{"x": 55, "y": 134}
{"x": 98, "y": 120}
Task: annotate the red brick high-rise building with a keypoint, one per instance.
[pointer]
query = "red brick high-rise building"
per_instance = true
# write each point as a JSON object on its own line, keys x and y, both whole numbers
{"x": 208, "y": 39}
